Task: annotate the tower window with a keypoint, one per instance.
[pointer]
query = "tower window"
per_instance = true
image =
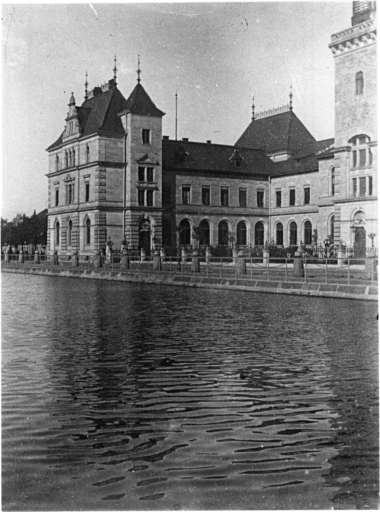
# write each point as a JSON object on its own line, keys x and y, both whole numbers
{"x": 87, "y": 191}
{"x": 149, "y": 174}
{"x": 370, "y": 186}
{"x": 141, "y": 173}
{"x": 224, "y": 196}
{"x": 149, "y": 197}
{"x": 332, "y": 178}
{"x": 146, "y": 136}
{"x": 278, "y": 201}
{"x": 206, "y": 196}
{"x": 87, "y": 154}
{"x": 186, "y": 194}
{"x": 260, "y": 198}
{"x": 88, "y": 231}
{"x": 141, "y": 196}
{"x": 243, "y": 197}
{"x": 56, "y": 197}
{"x": 307, "y": 195}
{"x": 57, "y": 163}
{"x": 292, "y": 197}
{"x": 359, "y": 83}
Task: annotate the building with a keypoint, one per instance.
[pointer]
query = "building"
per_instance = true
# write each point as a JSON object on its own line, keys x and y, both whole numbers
{"x": 113, "y": 176}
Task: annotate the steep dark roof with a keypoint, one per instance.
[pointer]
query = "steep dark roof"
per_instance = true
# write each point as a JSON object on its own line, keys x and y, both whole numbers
{"x": 99, "y": 113}
{"x": 198, "y": 156}
{"x": 282, "y": 131}
{"x": 140, "y": 103}
{"x": 305, "y": 159}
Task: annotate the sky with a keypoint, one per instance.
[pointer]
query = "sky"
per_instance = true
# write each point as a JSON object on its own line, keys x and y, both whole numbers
{"x": 215, "y": 55}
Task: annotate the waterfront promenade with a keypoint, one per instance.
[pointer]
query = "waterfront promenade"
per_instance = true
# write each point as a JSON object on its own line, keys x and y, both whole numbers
{"x": 324, "y": 278}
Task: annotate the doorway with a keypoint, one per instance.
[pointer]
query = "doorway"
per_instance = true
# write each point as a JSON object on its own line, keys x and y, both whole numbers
{"x": 144, "y": 236}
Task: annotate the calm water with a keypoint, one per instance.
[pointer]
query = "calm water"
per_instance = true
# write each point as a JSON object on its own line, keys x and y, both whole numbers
{"x": 120, "y": 396}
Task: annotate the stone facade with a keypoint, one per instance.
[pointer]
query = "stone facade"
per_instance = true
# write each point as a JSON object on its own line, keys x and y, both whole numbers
{"x": 112, "y": 175}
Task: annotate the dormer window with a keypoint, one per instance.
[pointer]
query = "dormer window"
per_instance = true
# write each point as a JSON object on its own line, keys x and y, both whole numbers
{"x": 56, "y": 162}
{"x": 359, "y": 83}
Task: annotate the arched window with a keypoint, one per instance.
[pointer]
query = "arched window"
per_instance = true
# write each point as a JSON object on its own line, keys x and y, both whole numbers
{"x": 359, "y": 83}
{"x": 73, "y": 156}
{"x": 66, "y": 160}
{"x": 184, "y": 232}
{"x": 87, "y": 154}
{"x": 223, "y": 234}
{"x": 57, "y": 233}
{"x": 57, "y": 163}
{"x": 204, "y": 233}
{"x": 332, "y": 220}
{"x": 88, "y": 231}
{"x": 361, "y": 152}
{"x": 293, "y": 233}
{"x": 307, "y": 233}
{"x": 259, "y": 234}
{"x": 70, "y": 158}
{"x": 279, "y": 234}
{"x": 242, "y": 233}
{"x": 70, "y": 233}
{"x": 332, "y": 181}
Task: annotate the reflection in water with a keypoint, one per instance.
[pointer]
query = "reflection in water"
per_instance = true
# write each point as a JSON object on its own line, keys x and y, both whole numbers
{"x": 121, "y": 396}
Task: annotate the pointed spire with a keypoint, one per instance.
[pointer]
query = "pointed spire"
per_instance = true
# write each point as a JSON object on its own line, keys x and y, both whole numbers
{"x": 253, "y": 107}
{"x": 291, "y": 98}
{"x": 114, "y": 70}
{"x": 138, "y": 70}
{"x": 86, "y": 88}
{"x": 72, "y": 99}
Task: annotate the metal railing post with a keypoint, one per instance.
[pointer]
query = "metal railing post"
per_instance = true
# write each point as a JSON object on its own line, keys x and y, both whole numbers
{"x": 305, "y": 265}
{"x": 286, "y": 269}
{"x": 348, "y": 268}
{"x": 372, "y": 271}
{"x": 326, "y": 271}
{"x": 221, "y": 267}
{"x": 251, "y": 269}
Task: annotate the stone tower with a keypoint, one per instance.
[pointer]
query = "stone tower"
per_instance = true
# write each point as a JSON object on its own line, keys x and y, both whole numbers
{"x": 355, "y": 153}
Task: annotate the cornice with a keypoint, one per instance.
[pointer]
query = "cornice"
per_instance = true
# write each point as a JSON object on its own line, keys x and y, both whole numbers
{"x": 354, "y": 38}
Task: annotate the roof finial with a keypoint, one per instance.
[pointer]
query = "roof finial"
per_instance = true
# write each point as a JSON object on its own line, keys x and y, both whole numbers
{"x": 138, "y": 70}
{"x": 85, "y": 88}
{"x": 253, "y": 108}
{"x": 114, "y": 70}
{"x": 291, "y": 98}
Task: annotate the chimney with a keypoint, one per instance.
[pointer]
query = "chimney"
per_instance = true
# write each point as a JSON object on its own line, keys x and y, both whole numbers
{"x": 185, "y": 140}
{"x": 97, "y": 90}
{"x": 165, "y": 137}
{"x": 208, "y": 141}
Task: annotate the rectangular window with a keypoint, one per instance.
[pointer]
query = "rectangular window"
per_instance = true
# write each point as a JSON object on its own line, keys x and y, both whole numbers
{"x": 362, "y": 157}
{"x": 370, "y": 186}
{"x": 243, "y": 197}
{"x": 141, "y": 173}
{"x": 146, "y": 136}
{"x": 186, "y": 194}
{"x": 224, "y": 196}
{"x": 370, "y": 157}
{"x": 278, "y": 198}
{"x": 70, "y": 194}
{"x": 149, "y": 197}
{"x": 292, "y": 197}
{"x": 354, "y": 159}
{"x": 362, "y": 185}
{"x": 307, "y": 195}
{"x": 206, "y": 196}
{"x": 87, "y": 191}
{"x": 149, "y": 173}
{"x": 141, "y": 194}
{"x": 167, "y": 194}
{"x": 260, "y": 198}
{"x": 56, "y": 197}
{"x": 354, "y": 187}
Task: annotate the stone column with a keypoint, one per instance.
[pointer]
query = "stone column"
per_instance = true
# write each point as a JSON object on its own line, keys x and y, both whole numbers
{"x": 195, "y": 263}
{"x": 298, "y": 266}
{"x": 125, "y": 259}
{"x": 36, "y": 257}
{"x": 6, "y": 255}
{"x": 142, "y": 255}
{"x": 97, "y": 260}
{"x": 21, "y": 257}
{"x": 162, "y": 254}
{"x": 75, "y": 259}
{"x": 55, "y": 258}
{"x": 341, "y": 255}
{"x": 266, "y": 257}
{"x": 183, "y": 256}
{"x": 208, "y": 255}
{"x": 157, "y": 265}
{"x": 241, "y": 264}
